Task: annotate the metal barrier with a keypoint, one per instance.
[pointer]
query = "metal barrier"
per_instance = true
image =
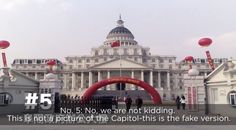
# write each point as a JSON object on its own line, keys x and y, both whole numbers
{"x": 76, "y": 103}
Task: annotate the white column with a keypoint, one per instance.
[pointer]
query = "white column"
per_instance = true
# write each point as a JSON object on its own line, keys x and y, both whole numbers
{"x": 44, "y": 75}
{"x": 73, "y": 81}
{"x": 108, "y": 76}
{"x": 151, "y": 78}
{"x": 176, "y": 80}
{"x": 36, "y": 76}
{"x": 99, "y": 76}
{"x": 90, "y": 78}
{"x": 132, "y": 76}
{"x": 168, "y": 80}
{"x": 65, "y": 82}
{"x": 142, "y": 75}
{"x": 142, "y": 79}
{"x": 27, "y": 74}
{"x": 159, "y": 80}
{"x": 82, "y": 80}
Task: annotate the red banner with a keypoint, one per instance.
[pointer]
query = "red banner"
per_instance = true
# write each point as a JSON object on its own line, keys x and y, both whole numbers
{"x": 189, "y": 98}
{"x": 4, "y": 59}
{"x": 194, "y": 97}
{"x": 210, "y": 61}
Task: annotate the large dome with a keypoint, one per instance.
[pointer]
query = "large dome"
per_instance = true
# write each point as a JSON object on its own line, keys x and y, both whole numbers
{"x": 120, "y": 33}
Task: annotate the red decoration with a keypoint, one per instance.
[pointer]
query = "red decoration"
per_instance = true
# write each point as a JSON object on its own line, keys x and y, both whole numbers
{"x": 210, "y": 61}
{"x": 51, "y": 62}
{"x": 188, "y": 58}
{"x": 151, "y": 90}
{"x": 205, "y": 42}
{"x": 4, "y": 59}
{"x": 4, "y": 44}
{"x": 115, "y": 44}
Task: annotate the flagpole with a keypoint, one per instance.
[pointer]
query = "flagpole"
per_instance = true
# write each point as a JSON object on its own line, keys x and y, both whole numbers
{"x": 117, "y": 44}
{"x": 120, "y": 71}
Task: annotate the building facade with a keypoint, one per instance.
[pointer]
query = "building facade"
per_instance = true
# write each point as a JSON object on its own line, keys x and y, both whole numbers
{"x": 221, "y": 89}
{"x": 130, "y": 59}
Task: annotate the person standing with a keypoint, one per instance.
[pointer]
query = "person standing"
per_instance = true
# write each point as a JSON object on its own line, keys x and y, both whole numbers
{"x": 178, "y": 103}
{"x": 182, "y": 100}
{"x": 128, "y": 102}
{"x": 139, "y": 102}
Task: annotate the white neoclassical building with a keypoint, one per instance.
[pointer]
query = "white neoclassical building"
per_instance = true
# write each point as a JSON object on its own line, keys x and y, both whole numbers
{"x": 130, "y": 59}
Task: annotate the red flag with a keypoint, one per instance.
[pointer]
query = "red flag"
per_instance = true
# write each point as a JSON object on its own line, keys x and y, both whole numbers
{"x": 115, "y": 44}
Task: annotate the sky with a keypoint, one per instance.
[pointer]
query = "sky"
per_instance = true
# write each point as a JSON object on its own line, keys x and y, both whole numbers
{"x": 60, "y": 28}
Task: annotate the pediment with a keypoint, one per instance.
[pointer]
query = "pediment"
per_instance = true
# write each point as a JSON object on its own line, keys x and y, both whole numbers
{"x": 123, "y": 63}
{"x": 22, "y": 80}
{"x": 218, "y": 75}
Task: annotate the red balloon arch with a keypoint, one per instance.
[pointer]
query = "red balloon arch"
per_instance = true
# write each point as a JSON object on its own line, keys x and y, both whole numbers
{"x": 152, "y": 91}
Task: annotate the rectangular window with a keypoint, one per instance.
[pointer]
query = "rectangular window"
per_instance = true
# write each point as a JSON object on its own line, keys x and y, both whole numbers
{"x": 214, "y": 95}
{"x": 203, "y": 61}
{"x": 232, "y": 99}
{"x": 153, "y": 60}
{"x": 38, "y": 61}
{"x": 29, "y": 61}
{"x": 161, "y": 61}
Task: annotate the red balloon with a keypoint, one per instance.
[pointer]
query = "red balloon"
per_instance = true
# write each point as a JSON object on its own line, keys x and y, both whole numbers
{"x": 188, "y": 58}
{"x": 51, "y": 62}
{"x": 4, "y": 44}
{"x": 205, "y": 42}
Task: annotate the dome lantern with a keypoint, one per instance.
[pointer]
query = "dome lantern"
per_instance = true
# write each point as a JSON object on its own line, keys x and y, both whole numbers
{"x": 120, "y": 22}
{"x": 121, "y": 33}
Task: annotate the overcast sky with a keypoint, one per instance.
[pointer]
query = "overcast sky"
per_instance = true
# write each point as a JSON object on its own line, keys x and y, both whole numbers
{"x": 59, "y": 28}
